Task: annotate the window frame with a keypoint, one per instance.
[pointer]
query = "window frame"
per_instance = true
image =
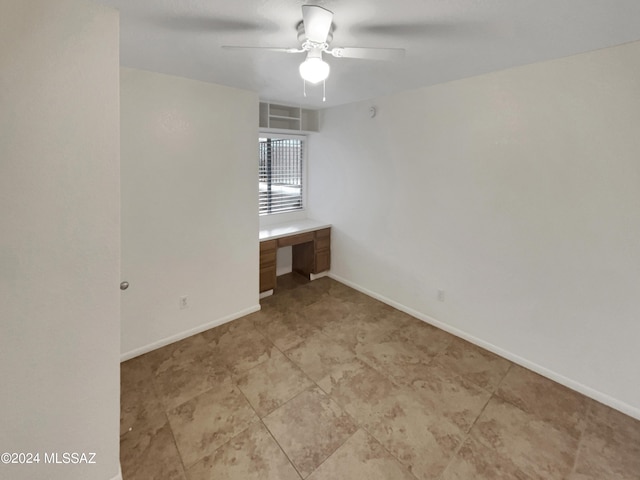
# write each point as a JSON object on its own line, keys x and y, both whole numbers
{"x": 278, "y": 217}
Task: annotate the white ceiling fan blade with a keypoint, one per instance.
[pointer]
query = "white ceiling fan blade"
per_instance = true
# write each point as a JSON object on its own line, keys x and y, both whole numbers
{"x": 317, "y": 22}
{"x": 427, "y": 29}
{"x": 368, "y": 53}
{"x": 268, "y": 49}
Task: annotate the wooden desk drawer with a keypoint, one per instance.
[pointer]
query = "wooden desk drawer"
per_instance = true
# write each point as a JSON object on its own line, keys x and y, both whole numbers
{"x": 295, "y": 239}
{"x": 268, "y": 245}
{"x": 323, "y": 261}
{"x": 267, "y": 258}
{"x": 325, "y": 232}
{"x": 323, "y": 243}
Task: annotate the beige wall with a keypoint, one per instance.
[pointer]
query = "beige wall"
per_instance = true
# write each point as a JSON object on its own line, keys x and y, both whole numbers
{"x": 189, "y": 207}
{"x": 60, "y": 236}
{"x": 518, "y": 194}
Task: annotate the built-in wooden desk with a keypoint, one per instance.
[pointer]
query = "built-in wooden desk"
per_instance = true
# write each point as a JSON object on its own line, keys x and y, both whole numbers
{"x": 310, "y": 243}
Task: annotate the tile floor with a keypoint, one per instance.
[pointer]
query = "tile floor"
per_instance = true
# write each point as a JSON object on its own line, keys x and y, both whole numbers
{"x": 326, "y": 383}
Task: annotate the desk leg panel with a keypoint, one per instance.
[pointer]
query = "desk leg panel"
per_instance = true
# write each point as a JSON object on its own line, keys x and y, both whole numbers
{"x": 303, "y": 258}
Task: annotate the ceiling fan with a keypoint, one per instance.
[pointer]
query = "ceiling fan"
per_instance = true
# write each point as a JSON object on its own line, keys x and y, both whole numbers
{"x": 315, "y": 32}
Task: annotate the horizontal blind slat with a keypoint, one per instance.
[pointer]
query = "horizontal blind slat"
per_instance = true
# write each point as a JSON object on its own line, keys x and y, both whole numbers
{"x": 280, "y": 175}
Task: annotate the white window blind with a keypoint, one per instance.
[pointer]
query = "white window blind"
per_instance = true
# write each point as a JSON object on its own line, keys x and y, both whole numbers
{"x": 280, "y": 174}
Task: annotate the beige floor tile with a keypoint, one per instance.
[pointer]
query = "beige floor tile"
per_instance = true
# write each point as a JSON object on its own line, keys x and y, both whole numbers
{"x": 252, "y": 455}
{"x": 343, "y": 292}
{"x": 421, "y": 440}
{"x": 394, "y": 357}
{"x": 414, "y": 391}
{"x": 361, "y": 458}
{"x": 362, "y": 302}
{"x": 259, "y": 318}
{"x": 449, "y": 395}
{"x": 360, "y": 329}
{"x": 616, "y": 426}
{"x": 540, "y": 450}
{"x": 272, "y": 383}
{"x": 309, "y": 428}
{"x": 318, "y": 355}
{"x": 330, "y": 310}
{"x": 229, "y": 332}
{"x": 320, "y": 286}
{"x": 206, "y": 422}
{"x": 239, "y": 323}
{"x": 427, "y": 338}
{"x": 545, "y": 398}
{"x": 394, "y": 317}
{"x": 474, "y": 461}
{"x": 609, "y": 447}
{"x": 187, "y": 373}
{"x": 150, "y": 454}
{"x": 289, "y": 299}
{"x": 186, "y": 369}
{"x": 404, "y": 350}
{"x": 278, "y": 304}
{"x": 476, "y": 364}
{"x": 176, "y": 351}
{"x": 292, "y": 280}
{"x": 140, "y": 407}
{"x": 370, "y": 307}
{"x": 363, "y": 392}
{"x": 286, "y": 330}
{"x": 246, "y": 350}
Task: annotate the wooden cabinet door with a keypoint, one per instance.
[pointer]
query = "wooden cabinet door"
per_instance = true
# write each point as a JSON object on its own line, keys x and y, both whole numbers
{"x": 267, "y": 279}
{"x": 322, "y": 260}
{"x": 268, "y": 265}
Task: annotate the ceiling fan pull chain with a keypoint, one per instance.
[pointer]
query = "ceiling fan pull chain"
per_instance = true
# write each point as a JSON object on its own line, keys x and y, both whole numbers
{"x": 304, "y": 87}
{"x": 324, "y": 90}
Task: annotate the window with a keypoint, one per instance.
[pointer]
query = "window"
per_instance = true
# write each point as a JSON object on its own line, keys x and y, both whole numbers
{"x": 280, "y": 175}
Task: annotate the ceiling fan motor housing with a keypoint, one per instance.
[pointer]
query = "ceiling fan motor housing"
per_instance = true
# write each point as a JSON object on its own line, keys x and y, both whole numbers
{"x": 302, "y": 36}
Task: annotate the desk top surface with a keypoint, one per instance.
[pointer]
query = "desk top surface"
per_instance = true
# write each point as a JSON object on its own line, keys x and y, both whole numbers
{"x": 279, "y": 230}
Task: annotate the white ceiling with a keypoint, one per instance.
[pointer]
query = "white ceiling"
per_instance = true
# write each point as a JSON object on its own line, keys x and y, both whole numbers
{"x": 444, "y": 40}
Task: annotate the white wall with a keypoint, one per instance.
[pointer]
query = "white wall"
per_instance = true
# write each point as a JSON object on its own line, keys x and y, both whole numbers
{"x": 518, "y": 194}
{"x": 189, "y": 206}
{"x": 60, "y": 237}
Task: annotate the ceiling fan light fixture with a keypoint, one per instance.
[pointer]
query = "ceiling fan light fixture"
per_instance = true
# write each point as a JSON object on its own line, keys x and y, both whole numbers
{"x": 314, "y": 69}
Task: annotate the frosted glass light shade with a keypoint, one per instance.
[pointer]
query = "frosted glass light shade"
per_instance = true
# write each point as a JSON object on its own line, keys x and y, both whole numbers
{"x": 314, "y": 69}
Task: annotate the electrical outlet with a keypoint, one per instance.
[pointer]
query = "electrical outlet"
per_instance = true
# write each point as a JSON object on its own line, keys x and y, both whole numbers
{"x": 184, "y": 303}
{"x": 441, "y": 295}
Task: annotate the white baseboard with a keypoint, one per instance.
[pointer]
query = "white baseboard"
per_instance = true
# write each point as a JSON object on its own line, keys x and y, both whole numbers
{"x": 315, "y": 276}
{"x": 266, "y": 294}
{"x": 545, "y": 372}
{"x": 187, "y": 333}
